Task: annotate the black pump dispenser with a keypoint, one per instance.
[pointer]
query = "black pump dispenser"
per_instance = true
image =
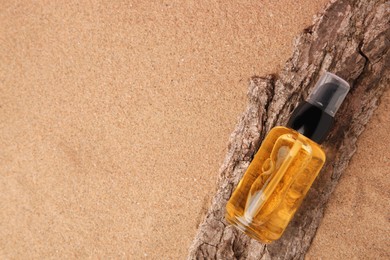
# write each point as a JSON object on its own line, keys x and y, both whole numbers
{"x": 314, "y": 117}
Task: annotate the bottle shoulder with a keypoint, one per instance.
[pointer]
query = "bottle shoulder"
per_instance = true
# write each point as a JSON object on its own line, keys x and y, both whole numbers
{"x": 280, "y": 130}
{"x": 276, "y": 132}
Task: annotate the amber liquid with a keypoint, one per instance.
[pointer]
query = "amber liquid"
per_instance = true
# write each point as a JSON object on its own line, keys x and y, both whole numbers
{"x": 275, "y": 184}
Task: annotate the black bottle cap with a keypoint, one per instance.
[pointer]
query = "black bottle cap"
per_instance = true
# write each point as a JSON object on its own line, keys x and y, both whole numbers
{"x": 314, "y": 117}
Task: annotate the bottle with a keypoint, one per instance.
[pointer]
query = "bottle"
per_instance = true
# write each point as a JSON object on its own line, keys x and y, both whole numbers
{"x": 286, "y": 165}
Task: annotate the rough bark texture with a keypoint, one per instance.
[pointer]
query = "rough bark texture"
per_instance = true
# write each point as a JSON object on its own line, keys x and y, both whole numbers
{"x": 350, "y": 39}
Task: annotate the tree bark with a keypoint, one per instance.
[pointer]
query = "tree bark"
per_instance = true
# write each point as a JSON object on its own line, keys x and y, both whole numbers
{"x": 351, "y": 39}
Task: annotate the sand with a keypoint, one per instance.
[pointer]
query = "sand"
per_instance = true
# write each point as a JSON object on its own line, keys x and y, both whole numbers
{"x": 115, "y": 116}
{"x": 356, "y": 220}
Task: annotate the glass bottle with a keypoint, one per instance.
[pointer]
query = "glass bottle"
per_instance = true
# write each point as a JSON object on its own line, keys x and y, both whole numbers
{"x": 286, "y": 165}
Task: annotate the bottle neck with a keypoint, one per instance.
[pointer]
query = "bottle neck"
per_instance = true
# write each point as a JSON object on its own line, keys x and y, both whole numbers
{"x": 311, "y": 121}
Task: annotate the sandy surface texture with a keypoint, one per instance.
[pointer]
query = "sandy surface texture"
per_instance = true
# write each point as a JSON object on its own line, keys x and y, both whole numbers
{"x": 115, "y": 115}
{"x": 356, "y": 220}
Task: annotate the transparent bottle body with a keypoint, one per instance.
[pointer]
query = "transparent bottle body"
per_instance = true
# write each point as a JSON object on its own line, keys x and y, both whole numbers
{"x": 274, "y": 184}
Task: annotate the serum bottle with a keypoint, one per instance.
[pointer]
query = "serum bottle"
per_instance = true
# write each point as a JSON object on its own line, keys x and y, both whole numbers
{"x": 286, "y": 165}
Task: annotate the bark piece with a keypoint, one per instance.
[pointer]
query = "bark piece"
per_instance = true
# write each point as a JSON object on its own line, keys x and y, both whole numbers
{"x": 351, "y": 39}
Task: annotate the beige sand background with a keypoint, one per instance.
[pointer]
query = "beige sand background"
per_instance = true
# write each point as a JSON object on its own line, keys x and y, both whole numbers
{"x": 114, "y": 117}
